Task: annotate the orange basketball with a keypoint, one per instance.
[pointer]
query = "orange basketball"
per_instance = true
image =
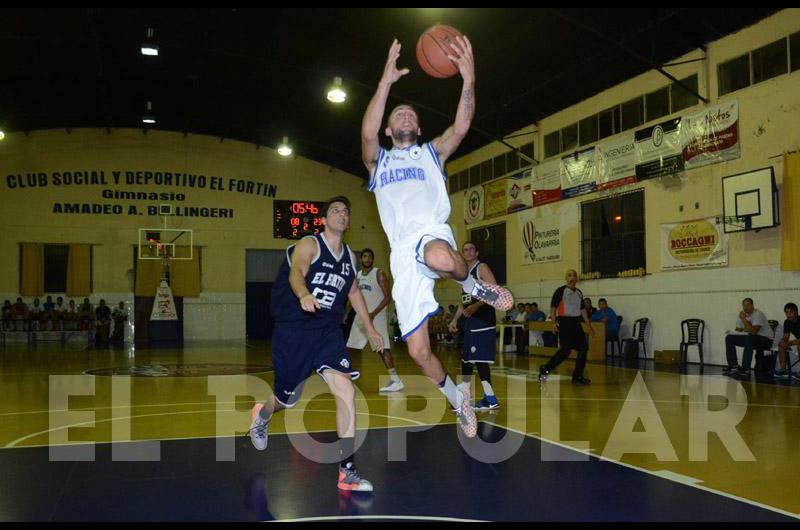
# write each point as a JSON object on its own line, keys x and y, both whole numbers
{"x": 433, "y": 47}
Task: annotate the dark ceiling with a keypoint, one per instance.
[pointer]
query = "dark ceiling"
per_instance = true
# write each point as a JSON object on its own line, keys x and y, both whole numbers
{"x": 258, "y": 75}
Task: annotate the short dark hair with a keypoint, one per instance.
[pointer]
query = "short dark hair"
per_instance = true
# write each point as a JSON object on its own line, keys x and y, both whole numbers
{"x": 602, "y": 300}
{"x": 389, "y": 117}
{"x": 746, "y": 299}
{"x": 790, "y": 305}
{"x": 534, "y": 304}
{"x": 368, "y": 250}
{"x": 338, "y": 198}
{"x": 465, "y": 243}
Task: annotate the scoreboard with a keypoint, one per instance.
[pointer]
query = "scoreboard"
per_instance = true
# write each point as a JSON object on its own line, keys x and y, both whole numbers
{"x": 295, "y": 219}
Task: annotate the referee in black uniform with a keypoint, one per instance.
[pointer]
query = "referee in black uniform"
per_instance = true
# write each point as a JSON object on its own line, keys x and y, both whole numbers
{"x": 567, "y": 311}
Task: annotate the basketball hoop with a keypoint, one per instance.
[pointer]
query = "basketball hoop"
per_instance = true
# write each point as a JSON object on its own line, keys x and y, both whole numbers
{"x": 743, "y": 221}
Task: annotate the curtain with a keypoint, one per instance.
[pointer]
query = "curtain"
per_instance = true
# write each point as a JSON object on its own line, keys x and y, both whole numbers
{"x": 79, "y": 270}
{"x": 32, "y": 269}
{"x": 184, "y": 275}
{"x": 790, "y": 211}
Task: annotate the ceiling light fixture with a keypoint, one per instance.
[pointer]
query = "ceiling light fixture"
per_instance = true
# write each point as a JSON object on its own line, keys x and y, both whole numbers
{"x": 148, "y": 117}
{"x": 284, "y": 149}
{"x": 336, "y": 94}
{"x": 149, "y": 47}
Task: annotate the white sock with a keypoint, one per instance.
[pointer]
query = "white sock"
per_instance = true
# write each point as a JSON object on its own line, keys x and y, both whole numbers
{"x": 487, "y": 388}
{"x": 467, "y": 284}
{"x": 451, "y": 392}
{"x": 393, "y": 375}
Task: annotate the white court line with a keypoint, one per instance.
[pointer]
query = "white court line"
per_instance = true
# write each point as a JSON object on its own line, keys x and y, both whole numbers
{"x": 386, "y": 517}
{"x": 667, "y": 475}
{"x": 382, "y": 398}
{"x": 13, "y": 444}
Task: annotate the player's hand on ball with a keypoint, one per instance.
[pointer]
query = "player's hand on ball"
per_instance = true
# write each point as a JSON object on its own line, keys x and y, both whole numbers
{"x": 309, "y": 303}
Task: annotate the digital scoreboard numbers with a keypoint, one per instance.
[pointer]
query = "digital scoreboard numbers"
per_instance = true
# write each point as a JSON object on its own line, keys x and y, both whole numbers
{"x": 296, "y": 219}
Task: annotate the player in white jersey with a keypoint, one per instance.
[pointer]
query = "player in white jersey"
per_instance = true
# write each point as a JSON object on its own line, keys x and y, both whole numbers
{"x": 376, "y": 289}
{"x": 409, "y": 186}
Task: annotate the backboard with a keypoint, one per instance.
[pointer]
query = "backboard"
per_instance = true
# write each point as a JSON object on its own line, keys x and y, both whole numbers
{"x": 165, "y": 243}
{"x": 752, "y": 198}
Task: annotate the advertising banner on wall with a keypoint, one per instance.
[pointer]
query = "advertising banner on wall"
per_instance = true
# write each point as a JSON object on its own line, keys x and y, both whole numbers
{"x": 539, "y": 238}
{"x": 164, "y": 305}
{"x": 495, "y": 199}
{"x": 547, "y": 182}
{"x": 578, "y": 173}
{"x": 693, "y": 245}
{"x": 711, "y": 136}
{"x": 519, "y": 191}
{"x": 616, "y": 162}
{"x": 658, "y": 150}
{"x": 473, "y": 205}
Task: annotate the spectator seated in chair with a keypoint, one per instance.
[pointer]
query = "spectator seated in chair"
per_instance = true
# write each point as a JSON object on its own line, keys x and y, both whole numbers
{"x": 533, "y": 314}
{"x": 103, "y": 313}
{"x": 20, "y": 314}
{"x": 8, "y": 316}
{"x": 607, "y": 315}
{"x": 120, "y": 317}
{"x": 36, "y": 316}
{"x": 58, "y": 314}
{"x": 791, "y": 327}
{"x": 71, "y": 317}
{"x": 85, "y": 315}
{"x": 752, "y": 332}
{"x": 587, "y": 305}
{"x": 47, "y": 318}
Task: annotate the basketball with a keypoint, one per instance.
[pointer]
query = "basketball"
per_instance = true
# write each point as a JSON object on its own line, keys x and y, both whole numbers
{"x": 433, "y": 47}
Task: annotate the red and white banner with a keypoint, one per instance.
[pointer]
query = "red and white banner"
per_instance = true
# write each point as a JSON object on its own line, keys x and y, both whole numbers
{"x": 616, "y": 162}
{"x": 519, "y": 191}
{"x": 547, "y": 182}
{"x": 711, "y": 136}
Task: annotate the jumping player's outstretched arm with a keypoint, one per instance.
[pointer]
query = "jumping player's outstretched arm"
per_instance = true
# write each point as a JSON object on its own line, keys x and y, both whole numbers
{"x": 371, "y": 124}
{"x": 303, "y": 253}
{"x": 360, "y": 307}
{"x": 448, "y": 142}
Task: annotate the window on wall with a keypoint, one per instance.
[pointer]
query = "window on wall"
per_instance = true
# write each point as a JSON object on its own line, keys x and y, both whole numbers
{"x": 770, "y": 61}
{"x": 608, "y": 123}
{"x": 612, "y": 234}
{"x": 682, "y": 98}
{"x": 491, "y": 244}
{"x": 486, "y": 170}
{"x": 734, "y": 74}
{"x": 552, "y": 144}
{"x": 499, "y": 165}
{"x": 587, "y": 129}
{"x": 527, "y": 149}
{"x": 632, "y": 113}
{"x": 794, "y": 51}
{"x": 474, "y": 176}
{"x": 569, "y": 138}
{"x": 512, "y": 161}
{"x": 55, "y": 268}
{"x": 657, "y": 104}
{"x": 453, "y": 183}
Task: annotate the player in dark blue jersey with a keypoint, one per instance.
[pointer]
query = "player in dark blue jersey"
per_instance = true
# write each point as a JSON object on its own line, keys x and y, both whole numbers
{"x": 308, "y": 300}
{"x": 479, "y": 331}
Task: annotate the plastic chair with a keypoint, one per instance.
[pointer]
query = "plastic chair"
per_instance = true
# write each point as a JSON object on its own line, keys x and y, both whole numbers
{"x": 692, "y": 335}
{"x": 638, "y": 335}
{"x": 614, "y": 339}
